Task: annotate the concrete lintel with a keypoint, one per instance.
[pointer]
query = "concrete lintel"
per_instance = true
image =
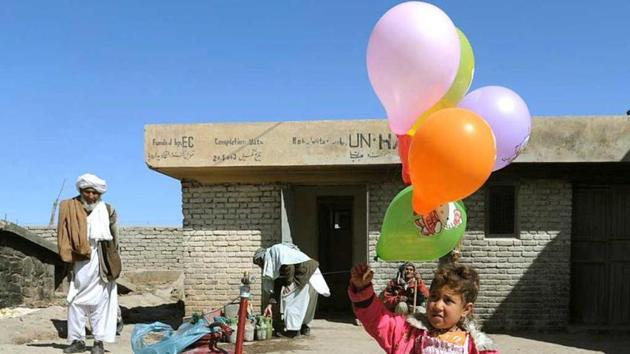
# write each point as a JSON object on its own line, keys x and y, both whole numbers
{"x": 284, "y": 150}
{"x": 290, "y": 174}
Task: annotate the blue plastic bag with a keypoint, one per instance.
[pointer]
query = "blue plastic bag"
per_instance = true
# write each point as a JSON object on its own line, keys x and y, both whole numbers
{"x": 172, "y": 342}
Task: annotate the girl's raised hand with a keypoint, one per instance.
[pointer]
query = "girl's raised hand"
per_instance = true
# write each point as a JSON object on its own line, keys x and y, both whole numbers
{"x": 361, "y": 276}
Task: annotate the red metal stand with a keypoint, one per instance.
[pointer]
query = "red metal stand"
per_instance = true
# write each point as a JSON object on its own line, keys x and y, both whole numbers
{"x": 240, "y": 331}
{"x": 242, "y": 313}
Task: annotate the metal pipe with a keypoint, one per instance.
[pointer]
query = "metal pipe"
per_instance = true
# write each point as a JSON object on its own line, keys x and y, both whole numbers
{"x": 242, "y": 313}
{"x": 240, "y": 331}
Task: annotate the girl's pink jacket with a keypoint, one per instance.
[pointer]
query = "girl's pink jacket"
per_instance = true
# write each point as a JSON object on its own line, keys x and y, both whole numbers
{"x": 398, "y": 334}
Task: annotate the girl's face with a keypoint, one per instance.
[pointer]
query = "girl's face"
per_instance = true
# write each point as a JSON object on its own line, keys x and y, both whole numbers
{"x": 446, "y": 308}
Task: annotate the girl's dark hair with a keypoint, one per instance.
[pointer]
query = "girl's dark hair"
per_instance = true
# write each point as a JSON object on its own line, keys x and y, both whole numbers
{"x": 460, "y": 278}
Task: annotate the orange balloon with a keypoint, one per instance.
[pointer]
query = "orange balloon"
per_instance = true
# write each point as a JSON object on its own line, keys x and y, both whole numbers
{"x": 451, "y": 156}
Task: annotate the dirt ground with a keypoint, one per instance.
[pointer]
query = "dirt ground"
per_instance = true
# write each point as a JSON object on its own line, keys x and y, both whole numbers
{"x": 39, "y": 333}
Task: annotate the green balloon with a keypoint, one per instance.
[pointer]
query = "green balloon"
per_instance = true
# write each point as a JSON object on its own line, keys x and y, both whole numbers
{"x": 465, "y": 72}
{"x": 406, "y": 236}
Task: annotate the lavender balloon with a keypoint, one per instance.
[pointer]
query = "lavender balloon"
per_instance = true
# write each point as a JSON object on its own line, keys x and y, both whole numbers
{"x": 508, "y": 116}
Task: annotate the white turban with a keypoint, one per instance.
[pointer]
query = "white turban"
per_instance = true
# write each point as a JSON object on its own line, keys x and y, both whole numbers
{"x": 89, "y": 180}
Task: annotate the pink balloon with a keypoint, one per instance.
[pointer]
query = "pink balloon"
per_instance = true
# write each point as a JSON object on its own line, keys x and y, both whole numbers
{"x": 412, "y": 59}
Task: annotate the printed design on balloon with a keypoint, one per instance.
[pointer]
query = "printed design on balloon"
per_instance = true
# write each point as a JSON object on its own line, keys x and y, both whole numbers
{"x": 517, "y": 151}
{"x": 446, "y": 217}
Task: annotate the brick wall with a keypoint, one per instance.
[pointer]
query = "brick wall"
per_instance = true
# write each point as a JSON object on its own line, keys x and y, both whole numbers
{"x": 525, "y": 281}
{"x": 141, "y": 248}
{"x": 528, "y": 279}
{"x": 223, "y": 227}
{"x": 151, "y": 248}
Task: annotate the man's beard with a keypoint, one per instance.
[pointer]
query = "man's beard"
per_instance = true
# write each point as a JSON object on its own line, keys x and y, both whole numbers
{"x": 89, "y": 207}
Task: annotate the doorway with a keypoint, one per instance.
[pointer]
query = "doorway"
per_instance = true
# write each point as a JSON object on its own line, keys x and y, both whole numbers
{"x": 329, "y": 223}
{"x": 600, "y": 256}
{"x": 335, "y": 235}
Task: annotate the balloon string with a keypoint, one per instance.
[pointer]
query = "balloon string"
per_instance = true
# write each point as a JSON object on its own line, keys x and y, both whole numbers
{"x": 337, "y": 272}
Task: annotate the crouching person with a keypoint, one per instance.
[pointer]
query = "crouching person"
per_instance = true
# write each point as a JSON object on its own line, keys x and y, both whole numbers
{"x": 292, "y": 280}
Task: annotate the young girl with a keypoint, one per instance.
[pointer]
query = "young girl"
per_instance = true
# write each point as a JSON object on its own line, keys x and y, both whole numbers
{"x": 446, "y": 327}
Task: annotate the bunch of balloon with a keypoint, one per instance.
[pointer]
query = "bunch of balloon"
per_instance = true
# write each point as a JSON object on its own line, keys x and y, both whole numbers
{"x": 454, "y": 150}
{"x": 449, "y": 142}
{"x": 420, "y": 64}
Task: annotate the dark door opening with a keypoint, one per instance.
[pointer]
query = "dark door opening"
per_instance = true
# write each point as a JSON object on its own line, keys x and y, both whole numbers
{"x": 335, "y": 233}
{"x": 600, "y": 256}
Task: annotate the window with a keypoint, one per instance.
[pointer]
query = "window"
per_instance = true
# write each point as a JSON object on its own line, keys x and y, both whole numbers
{"x": 501, "y": 213}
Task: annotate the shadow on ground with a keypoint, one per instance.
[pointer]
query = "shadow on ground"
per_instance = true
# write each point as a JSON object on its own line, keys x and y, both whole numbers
{"x": 47, "y": 345}
{"x": 171, "y": 314}
{"x": 61, "y": 326}
{"x": 59, "y": 346}
{"x": 338, "y": 318}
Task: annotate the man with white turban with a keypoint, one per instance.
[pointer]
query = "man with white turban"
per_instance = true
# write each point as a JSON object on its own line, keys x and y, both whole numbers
{"x": 87, "y": 238}
{"x": 293, "y": 280}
